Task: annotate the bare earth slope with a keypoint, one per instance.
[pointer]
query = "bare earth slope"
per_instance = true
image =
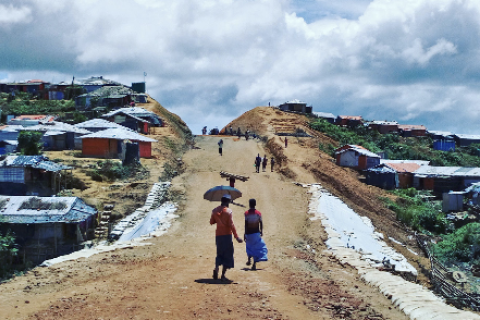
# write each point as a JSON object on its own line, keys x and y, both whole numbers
{"x": 171, "y": 278}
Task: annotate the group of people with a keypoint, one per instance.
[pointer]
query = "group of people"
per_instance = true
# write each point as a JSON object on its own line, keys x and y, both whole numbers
{"x": 263, "y": 162}
{"x": 256, "y": 248}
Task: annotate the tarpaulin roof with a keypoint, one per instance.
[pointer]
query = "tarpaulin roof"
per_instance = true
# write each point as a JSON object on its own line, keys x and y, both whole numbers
{"x": 324, "y": 114}
{"x": 57, "y": 126}
{"x": 37, "y": 162}
{"x": 118, "y": 134}
{"x": 381, "y": 168}
{"x": 75, "y": 210}
{"x": 468, "y": 136}
{"x": 132, "y": 111}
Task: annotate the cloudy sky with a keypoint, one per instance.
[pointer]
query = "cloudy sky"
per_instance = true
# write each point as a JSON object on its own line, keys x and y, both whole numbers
{"x": 414, "y": 61}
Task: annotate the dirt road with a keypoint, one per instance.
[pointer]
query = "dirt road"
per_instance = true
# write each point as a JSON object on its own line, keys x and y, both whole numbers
{"x": 171, "y": 279}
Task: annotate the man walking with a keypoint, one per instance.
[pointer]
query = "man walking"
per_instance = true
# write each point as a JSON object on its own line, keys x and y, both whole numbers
{"x": 220, "y": 146}
{"x": 256, "y": 247}
{"x": 258, "y": 160}
{"x": 272, "y": 163}
{"x": 264, "y": 163}
{"x": 222, "y": 217}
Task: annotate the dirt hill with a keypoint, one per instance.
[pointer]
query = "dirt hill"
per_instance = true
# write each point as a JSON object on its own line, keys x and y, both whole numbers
{"x": 171, "y": 278}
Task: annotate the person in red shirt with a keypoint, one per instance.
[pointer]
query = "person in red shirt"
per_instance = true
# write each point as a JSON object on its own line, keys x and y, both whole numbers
{"x": 256, "y": 247}
{"x": 222, "y": 217}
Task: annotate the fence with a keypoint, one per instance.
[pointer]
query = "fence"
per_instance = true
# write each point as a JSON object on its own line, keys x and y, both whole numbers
{"x": 441, "y": 284}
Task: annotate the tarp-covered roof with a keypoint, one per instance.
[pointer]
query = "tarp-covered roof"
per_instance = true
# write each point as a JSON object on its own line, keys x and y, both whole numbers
{"x": 74, "y": 210}
{"x": 360, "y": 150}
{"x": 118, "y": 134}
{"x": 57, "y": 126}
{"x": 37, "y": 162}
{"x": 139, "y": 112}
{"x": 468, "y": 136}
{"x": 324, "y": 115}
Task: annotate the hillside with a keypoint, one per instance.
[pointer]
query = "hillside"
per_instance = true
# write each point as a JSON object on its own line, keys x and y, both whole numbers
{"x": 170, "y": 277}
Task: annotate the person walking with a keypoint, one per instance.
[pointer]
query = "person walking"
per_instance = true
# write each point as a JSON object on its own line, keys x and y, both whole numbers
{"x": 220, "y": 146}
{"x": 258, "y": 160}
{"x": 222, "y": 216}
{"x": 272, "y": 163}
{"x": 286, "y": 142}
{"x": 246, "y": 135}
{"x": 264, "y": 163}
{"x": 255, "y": 246}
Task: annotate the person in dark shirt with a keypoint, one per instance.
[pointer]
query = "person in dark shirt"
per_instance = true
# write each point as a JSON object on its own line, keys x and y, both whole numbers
{"x": 256, "y": 247}
{"x": 258, "y": 161}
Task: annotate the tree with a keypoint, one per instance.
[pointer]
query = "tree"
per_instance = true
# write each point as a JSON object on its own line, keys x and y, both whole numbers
{"x": 29, "y": 142}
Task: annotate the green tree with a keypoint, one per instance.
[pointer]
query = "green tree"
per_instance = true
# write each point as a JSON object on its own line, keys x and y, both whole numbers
{"x": 29, "y": 142}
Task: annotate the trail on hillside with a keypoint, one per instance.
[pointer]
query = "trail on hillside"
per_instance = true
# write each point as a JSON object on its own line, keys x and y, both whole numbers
{"x": 171, "y": 278}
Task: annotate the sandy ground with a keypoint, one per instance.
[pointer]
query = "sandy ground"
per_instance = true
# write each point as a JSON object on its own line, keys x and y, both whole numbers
{"x": 171, "y": 279}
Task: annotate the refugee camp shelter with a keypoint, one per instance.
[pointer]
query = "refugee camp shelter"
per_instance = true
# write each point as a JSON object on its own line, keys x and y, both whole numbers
{"x": 384, "y": 127}
{"x": 295, "y": 105}
{"x": 60, "y": 135}
{"x": 465, "y": 140}
{"x": 130, "y": 121}
{"x": 10, "y": 132}
{"x": 110, "y": 144}
{"x": 382, "y": 176}
{"x": 445, "y": 179}
{"x": 8, "y": 146}
{"x": 47, "y": 227}
{"x": 142, "y": 113}
{"x": 30, "y": 120}
{"x": 453, "y": 201}
{"x": 348, "y": 121}
{"x": 329, "y": 117}
{"x": 30, "y": 175}
{"x": 411, "y": 130}
{"x": 405, "y": 170}
{"x": 96, "y": 125}
{"x": 356, "y": 157}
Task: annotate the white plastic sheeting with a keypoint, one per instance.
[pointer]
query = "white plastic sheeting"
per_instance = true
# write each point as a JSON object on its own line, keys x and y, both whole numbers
{"x": 414, "y": 300}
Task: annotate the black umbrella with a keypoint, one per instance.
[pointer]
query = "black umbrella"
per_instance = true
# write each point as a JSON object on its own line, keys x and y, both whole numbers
{"x": 216, "y": 193}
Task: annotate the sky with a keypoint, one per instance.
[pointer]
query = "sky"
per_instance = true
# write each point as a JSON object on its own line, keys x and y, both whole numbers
{"x": 413, "y": 61}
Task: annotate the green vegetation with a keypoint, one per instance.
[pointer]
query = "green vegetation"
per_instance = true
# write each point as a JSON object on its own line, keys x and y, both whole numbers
{"x": 462, "y": 245}
{"x": 395, "y": 146}
{"x": 8, "y": 250}
{"x": 18, "y": 107}
{"x": 29, "y": 143}
{"x": 418, "y": 214}
{"x": 109, "y": 170}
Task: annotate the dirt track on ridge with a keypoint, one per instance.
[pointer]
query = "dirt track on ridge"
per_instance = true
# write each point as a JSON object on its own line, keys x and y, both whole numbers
{"x": 171, "y": 279}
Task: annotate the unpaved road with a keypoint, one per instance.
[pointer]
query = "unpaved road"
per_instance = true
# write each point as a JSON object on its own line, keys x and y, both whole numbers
{"x": 171, "y": 279}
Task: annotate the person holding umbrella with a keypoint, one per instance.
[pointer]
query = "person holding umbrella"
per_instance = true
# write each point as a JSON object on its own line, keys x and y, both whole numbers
{"x": 222, "y": 216}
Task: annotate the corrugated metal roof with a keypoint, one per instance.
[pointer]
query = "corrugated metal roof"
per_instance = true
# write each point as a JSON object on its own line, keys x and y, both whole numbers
{"x": 118, "y": 134}
{"x": 324, "y": 114}
{"x": 387, "y": 123}
{"x": 440, "y": 133}
{"x": 468, "y": 136}
{"x": 359, "y": 149}
{"x": 350, "y": 117}
{"x": 12, "y": 128}
{"x": 448, "y": 171}
{"x": 404, "y": 167}
{"x": 100, "y": 124}
{"x": 409, "y": 127}
{"x": 295, "y": 101}
{"x": 76, "y": 210}
{"x": 420, "y": 162}
{"x": 130, "y": 110}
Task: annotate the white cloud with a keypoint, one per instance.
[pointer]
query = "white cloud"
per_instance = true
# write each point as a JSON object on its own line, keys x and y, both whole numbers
{"x": 11, "y": 15}
{"x": 410, "y": 60}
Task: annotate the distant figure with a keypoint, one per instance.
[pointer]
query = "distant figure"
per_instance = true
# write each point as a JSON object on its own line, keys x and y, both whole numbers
{"x": 204, "y": 130}
{"x": 239, "y": 132}
{"x": 272, "y": 163}
{"x": 232, "y": 182}
{"x": 132, "y": 104}
{"x": 264, "y": 163}
{"x": 220, "y": 146}
{"x": 246, "y": 135}
{"x": 231, "y": 131}
{"x": 258, "y": 160}
{"x": 222, "y": 216}
{"x": 269, "y": 104}
{"x": 256, "y": 247}
{"x": 286, "y": 142}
